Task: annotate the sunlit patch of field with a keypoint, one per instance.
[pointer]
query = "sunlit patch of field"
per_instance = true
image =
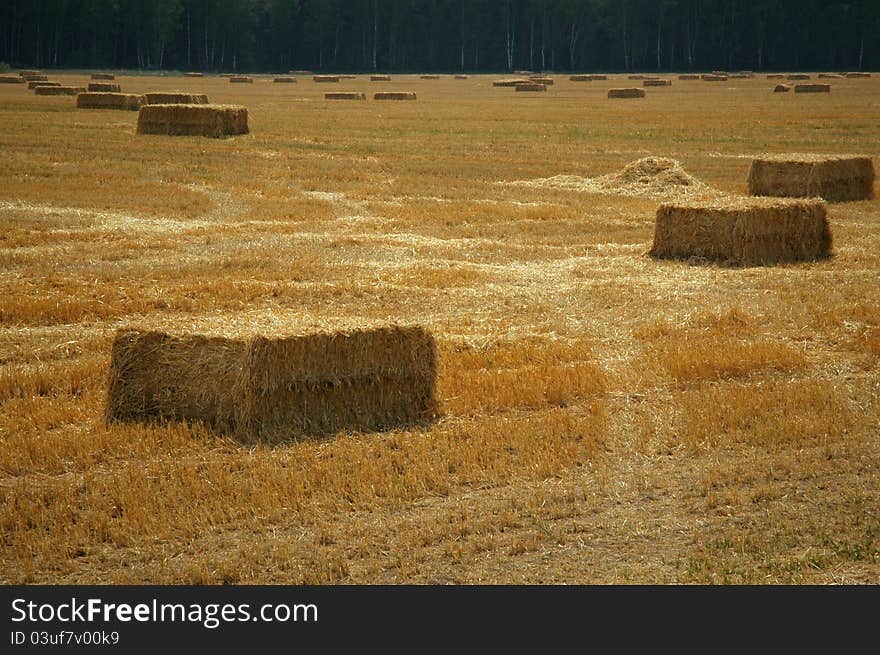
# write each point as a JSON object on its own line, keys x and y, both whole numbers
{"x": 605, "y": 418}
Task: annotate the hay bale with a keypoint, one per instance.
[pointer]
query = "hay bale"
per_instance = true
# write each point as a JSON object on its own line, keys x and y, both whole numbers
{"x": 429, "y": 77}
{"x": 28, "y": 71}
{"x": 193, "y": 74}
{"x": 531, "y": 86}
{"x": 657, "y": 83}
{"x": 831, "y": 76}
{"x": 380, "y": 78}
{"x": 812, "y": 88}
{"x": 782, "y": 88}
{"x": 714, "y": 78}
{"x": 580, "y": 78}
{"x": 461, "y": 77}
{"x": 394, "y": 95}
{"x": 193, "y": 120}
{"x": 241, "y": 79}
{"x": 596, "y": 78}
{"x": 857, "y": 75}
{"x": 740, "y": 76}
{"x": 835, "y": 178}
{"x": 104, "y": 100}
{"x": 639, "y": 77}
{"x": 348, "y": 77}
{"x": 743, "y": 232}
{"x": 34, "y": 85}
{"x": 776, "y": 76}
{"x": 258, "y": 387}
{"x": 510, "y": 82}
{"x": 689, "y": 77}
{"x": 175, "y": 98}
{"x": 539, "y": 79}
{"x": 797, "y": 76}
{"x": 345, "y": 95}
{"x": 302, "y": 72}
{"x": 103, "y": 76}
{"x": 284, "y": 80}
{"x": 104, "y": 87}
{"x": 626, "y": 93}
{"x": 35, "y": 77}
{"x": 325, "y": 78}
{"x": 12, "y": 79}
{"x": 59, "y": 90}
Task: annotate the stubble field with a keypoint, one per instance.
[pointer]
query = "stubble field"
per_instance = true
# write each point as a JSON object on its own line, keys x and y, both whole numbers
{"x": 606, "y": 418}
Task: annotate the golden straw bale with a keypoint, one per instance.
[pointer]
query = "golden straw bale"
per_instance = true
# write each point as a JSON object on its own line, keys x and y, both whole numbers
{"x": 193, "y": 120}
{"x": 394, "y": 95}
{"x": 345, "y": 95}
{"x": 429, "y": 77}
{"x": 626, "y": 93}
{"x": 714, "y": 78}
{"x": 641, "y": 77}
{"x": 284, "y": 80}
{"x": 598, "y": 77}
{"x": 59, "y": 90}
{"x": 689, "y": 76}
{"x": 836, "y": 178}
{"x": 461, "y": 77}
{"x": 546, "y": 81}
{"x": 510, "y": 82}
{"x": 380, "y": 78}
{"x": 28, "y": 71}
{"x": 12, "y": 79}
{"x": 798, "y": 76}
{"x": 241, "y": 79}
{"x": 34, "y": 85}
{"x": 104, "y": 87}
{"x": 581, "y": 78}
{"x": 531, "y": 86}
{"x": 857, "y": 75}
{"x": 103, "y": 76}
{"x": 831, "y": 76}
{"x": 35, "y": 77}
{"x": 744, "y": 232}
{"x": 657, "y": 83}
{"x": 812, "y": 88}
{"x": 104, "y": 100}
{"x": 348, "y": 77}
{"x": 193, "y": 74}
{"x": 782, "y": 88}
{"x": 175, "y": 98}
{"x": 278, "y": 388}
{"x": 325, "y": 78}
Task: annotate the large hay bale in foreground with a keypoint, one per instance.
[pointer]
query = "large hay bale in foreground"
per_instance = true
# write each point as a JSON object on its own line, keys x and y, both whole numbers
{"x": 325, "y": 78}
{"x": 812, "y": 88}
{"x": 100, "y": 100}
{"x": 284, "y": 80}
{"x": 345, "y": 95}
{"x": 531, "y": 86}
{"x": 510, "y": 82}
{"x": 626, "y": 93}
{"x": 657, "y": 83}
{"x": 747, "y": 232}
{"x": 241, "y": 79}
{"x": 103, "y": 76}
{"x": 253, "y": 387}
{"x": 104, "y": 87}
{"x": 193, "y": 120}
{"x": 175, "y": 98}
{"x": 59, "y": 90}
{"x": 12, "y": 79}
{"x": 380, "y": 78}
{"x": 832, "y": 177}
{"x": 781, "y": 88}
{"x": 394, "y": 95}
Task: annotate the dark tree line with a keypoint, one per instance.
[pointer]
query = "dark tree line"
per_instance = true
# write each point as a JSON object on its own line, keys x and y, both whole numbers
{"x": 437, "y": 35}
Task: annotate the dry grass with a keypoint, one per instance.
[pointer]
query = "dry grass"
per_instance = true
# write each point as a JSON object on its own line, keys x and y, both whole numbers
{"x": 606, "y": 418}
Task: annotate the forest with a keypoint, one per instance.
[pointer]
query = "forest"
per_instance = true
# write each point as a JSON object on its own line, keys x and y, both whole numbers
{"x": 441, "y": 35}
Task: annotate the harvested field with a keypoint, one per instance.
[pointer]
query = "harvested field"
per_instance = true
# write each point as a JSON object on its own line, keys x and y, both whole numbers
{"x": 836, "y": 178}
{"x": 812, "y": 88}
{"x": 102, "y": 100}
{"x": 626, "y": 93}
{"x": 345, "y": 95}
{"x": 175, "y": 98}
{"x": 103, "y": 87}
{"x": 394, "y": 95}
{"x": 193, "y": 120}
{"x": 603, "y": 416}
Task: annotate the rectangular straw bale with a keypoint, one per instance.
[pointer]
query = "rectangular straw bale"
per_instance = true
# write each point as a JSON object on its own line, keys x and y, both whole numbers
{"x": 103, "y": 76}
{"x": 782, "y": 88}
{"x": 714, "y": 78}
{"x": 836, "y": 178}
{"x": 348, "y": 77}
{"x": 798, "y": 76}
{"x": 241, "y": 79}
{"x": 59, "y": 90}
{"x": 580, "y": 78}
{"x": 429, "y": 77}
{"x": 595, "y": 78}
{"x": 325, "y": 78}
{"x": 626, "y": 93}
{"x": 35, "y": 77}
{"x": 175, "y": 98}
{"x": 380, "y": 78}
{"x": 101, "y": 100}
{"x": 193, "y": 74}
{"x": 345, "y": 95}
{"x": 749, "y": 232}
{"x": 657, "y": 83}
{"x": 531, "y": 86}
{"x": 34, "y": 85}
{"x": 461, "y": 77}
{"x": 29, "y": 71}
{"x": 776, "y": 76}
{"x": 689, "y": 76}
{"x": 831, "y": 76}
{"x": 510, "y": 82}
{"x": 260, "y": 387}
{"x": 284, "y": 80}
{"x": 104, "y": 87}
{"x": 193, "y": 120}
{"x": 857, "y": 75}
{"x": 394, "y": 95}
{"x": 546, "y": 81}
{"x": 812, "y": 88}
{"x": 12, "y": 79}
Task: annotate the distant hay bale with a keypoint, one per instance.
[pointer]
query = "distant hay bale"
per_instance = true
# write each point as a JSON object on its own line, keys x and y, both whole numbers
{"x": 193, "y": 120}
{"x": 12, "y": 79}
{"x": 193, "y": 74}
{"x": 546, "y": 81}
{"x": 657, "y": 83}
{"x": 831, "y": 76}
{"x": 714, "y": 78}
{"x": 34, "y": 85}
{"x": 723, "y": 73}
{"x": 59, "y": 90}
{"x": 227, "y": 75}
{"x": 256, "y": 387}
{"x": 743, "y": 232}
{"x": 241, "y": 79}
{"x": 325, "y": 78}
{"x": 776, "y": 76}
{"x": 797, "y": 76}
{"x": 284, "y": 80}
{"x": 175, "y": 98}
{"x": 394, "y": 95}
{"x": 835, "y": 178}
{"x": 639, "y": 77}
{"x": 599, "y": 78}
{"x": 345, "y": 95}
{"x": 531, "y": 86}
{"x": 857, "y": 75}
{"x": 348, "y": 77}
{"x": 461, "y": 77}
{"x": 626, "y": 93}
{"x": 380, "y": 78}
{"x": 429, "y": 77}
{"x": 782, "y": 88}
{"x": 103, "y": 76}
{"x": 580, "y": 78}
{"x": 740, "y": 76}
{"x": 104, "y": 87}
{"x": 35, "y": 77}
{"x": 300, "y": 72}
{"x": 689, "y": 77}
{"x": 104, "y": 100}
{"x": 510, "y": 82}
{"x": 812, "y": 88}
{"x": 28, "y": 72}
